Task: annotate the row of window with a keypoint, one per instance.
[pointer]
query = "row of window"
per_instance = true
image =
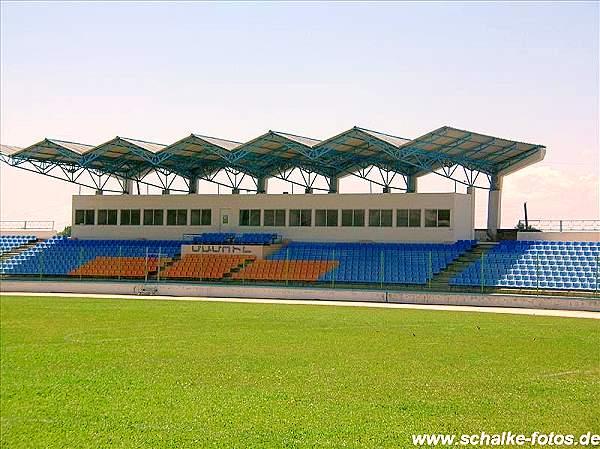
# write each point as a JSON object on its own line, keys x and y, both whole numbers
{"x": 405, "y": 218}
{"x": 152, "y": 217}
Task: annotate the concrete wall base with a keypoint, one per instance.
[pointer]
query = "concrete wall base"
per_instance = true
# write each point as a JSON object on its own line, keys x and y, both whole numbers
{"x": 224, "y": 291}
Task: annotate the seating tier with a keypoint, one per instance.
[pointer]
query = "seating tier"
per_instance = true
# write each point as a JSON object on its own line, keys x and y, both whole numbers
{"x": 205, "y": 266}
{"x": 536, "y": 264}
{"x": 282, "y": 270}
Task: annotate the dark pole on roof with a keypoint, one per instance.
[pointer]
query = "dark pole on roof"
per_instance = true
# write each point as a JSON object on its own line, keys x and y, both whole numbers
{"x": 526, "y": 220}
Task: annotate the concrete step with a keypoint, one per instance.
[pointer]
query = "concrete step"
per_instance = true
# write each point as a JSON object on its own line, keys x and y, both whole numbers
{"x": 18, "y": 250}
{"x": 442, "y": 279}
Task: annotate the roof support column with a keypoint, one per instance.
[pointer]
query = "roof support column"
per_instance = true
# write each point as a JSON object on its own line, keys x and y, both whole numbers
{"x": 494, "y": 206}
{"x": 411, "y": 184}
{"x": 126, "y": 185}
{"x": 262, "y": 184}
{"x": 192, "y": 185}
{"x": 334, "y": 184}
{"x": 471, "y": 192}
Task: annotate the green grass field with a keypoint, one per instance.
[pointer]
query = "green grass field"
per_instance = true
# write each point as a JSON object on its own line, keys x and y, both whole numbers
{"x": 91, "y": 373}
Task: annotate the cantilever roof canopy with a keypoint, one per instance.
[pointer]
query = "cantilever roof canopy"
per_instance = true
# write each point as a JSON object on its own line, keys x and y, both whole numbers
{"x": 275, "y": 152}
{"x": 196, "y": 155}
{"x": 9, "y": 150}
{"x": 481, "y": 152}
{"x": 358, "y": 148}
{"x": 122, "y": 156}
{"x": 55, "y": 151}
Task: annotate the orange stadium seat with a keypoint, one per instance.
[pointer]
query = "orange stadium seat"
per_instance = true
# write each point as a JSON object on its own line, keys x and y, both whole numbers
{"x": 205, "y": 266}
{"x": 133, "y": 267}
{"x": 280, "y": 270}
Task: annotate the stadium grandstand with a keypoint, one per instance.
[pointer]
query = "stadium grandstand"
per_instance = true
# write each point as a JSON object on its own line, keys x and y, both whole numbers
{"x": 397, "y": 238}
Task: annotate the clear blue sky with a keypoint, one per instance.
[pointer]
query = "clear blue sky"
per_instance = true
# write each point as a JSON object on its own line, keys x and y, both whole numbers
{"x": 87, "y": 72}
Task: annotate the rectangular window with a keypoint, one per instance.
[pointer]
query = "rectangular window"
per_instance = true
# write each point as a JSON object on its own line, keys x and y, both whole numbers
{"x": 305, "y": 217}
{"x": 300, "y": 217}
{"x": 380, "y": 217}
{"x": 269, "y": 217}
{"x": 408, "y": 218}
{"x": 171, "y": 217}
{"x": 112, "y": 217}
{"x": 374, "y": 217}
{"x": 102, "y": 216}
{"x": 326, "y": 217}
{"x": 359, "y": 218}
{"x": 206, "y": 219}
{"x": 158, "y": 217}
{"x": 280, "y": 217}
{"x": 274, "y": 217}
{"x": 195, "y": 217}
{"x": 148, "y": 217}
{"x": 294, "y": 217}
{"x": 320, "y": 217}
{"x": 176, "y": 217}
{"x": 153, "y": 217}
{"x": 332, "y": 217}
{"x": 181, "y": 217}
{"x": 255, "y": 217}
{"x": 89, "y": 216}
{"x": 201, "y": 217}
{"x": 402, "y": 218}
{"x": 353, "y": 217}
{"x": 437, "y": 218}
{"x": 347, "y": 217}
{"x": 135, "y": 217}
{"x": 79, "y": 217}
{"x": 244, "y": 217}
{"x": 386, "y": 218}
{"x": 107, "y": 216}
{"x": 125, "y": 217}
{"x": 249, "y": 217}
{"x": 430, "y": 218}
{"x": 443, "y": 218}
{"x": 130, "y": 217}
{"x": 414, "y": 218}
{"x": 84, "y": 216}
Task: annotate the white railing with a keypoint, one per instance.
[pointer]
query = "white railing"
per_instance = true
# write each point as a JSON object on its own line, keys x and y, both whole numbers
{"x": 27, "y": 225}
{"x": 562, "y": 225}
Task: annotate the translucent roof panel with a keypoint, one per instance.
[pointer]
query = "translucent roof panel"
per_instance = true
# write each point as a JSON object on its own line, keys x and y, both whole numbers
{"x": 358, "y": 148}
{"x": 393, "y": 140}
{"x": 148, "y": 146}
{"x": 309, "y": 142}
{"x": 54, "y": 150}
{"x": 223, "y": 143}
{"x": 196, "y": 154}
{"x": 8, "y": 150}
{"x": 486, "y": 153}
{"x": 78, "y": 148}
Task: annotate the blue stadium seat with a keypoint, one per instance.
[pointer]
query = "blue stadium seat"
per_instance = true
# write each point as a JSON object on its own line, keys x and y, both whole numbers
{"x": 529, "y": 264}
{"x": 230, "y": 238}
{"x": 390, "y": 263}
{"x": 61, "y": 255}
{"x": 9, "y": 243}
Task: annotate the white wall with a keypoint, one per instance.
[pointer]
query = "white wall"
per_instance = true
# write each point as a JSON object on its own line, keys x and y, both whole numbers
{"x": 560, "y": 236}
{"x": 462, "y": 219}
{"x": 37, "y": 233}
